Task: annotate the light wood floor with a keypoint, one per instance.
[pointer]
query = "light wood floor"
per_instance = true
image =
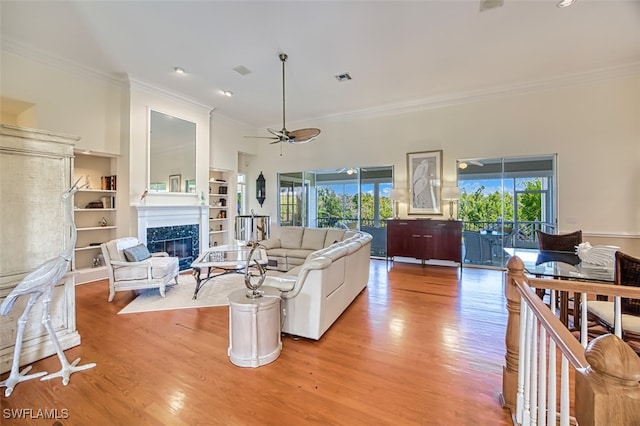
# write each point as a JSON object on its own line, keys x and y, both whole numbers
{"x": 419, "y": 346}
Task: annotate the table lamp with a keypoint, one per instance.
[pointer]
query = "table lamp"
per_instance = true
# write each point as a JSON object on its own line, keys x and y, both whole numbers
{"x": 397, "y": 195}
{"x": 451, "y": 194}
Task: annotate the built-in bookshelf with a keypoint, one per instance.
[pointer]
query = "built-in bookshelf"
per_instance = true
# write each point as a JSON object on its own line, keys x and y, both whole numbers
{"x": 94, "y": 213}
{"x": 219, "y": 202}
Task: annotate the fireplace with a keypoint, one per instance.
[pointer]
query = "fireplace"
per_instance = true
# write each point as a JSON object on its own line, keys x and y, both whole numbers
{"x": 179, "y": 241}
{"x": 179, "y": 230}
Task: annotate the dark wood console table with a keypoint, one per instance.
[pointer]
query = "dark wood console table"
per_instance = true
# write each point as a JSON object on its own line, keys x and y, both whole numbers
{"x": 425, "y": 239}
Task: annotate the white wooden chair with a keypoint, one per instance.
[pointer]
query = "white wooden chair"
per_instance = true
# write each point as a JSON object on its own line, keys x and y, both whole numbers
{"x": 130, "y": 269}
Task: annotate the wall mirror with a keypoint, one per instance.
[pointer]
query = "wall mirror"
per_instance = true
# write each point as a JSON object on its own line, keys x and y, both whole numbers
{"x": 172, "y": 154}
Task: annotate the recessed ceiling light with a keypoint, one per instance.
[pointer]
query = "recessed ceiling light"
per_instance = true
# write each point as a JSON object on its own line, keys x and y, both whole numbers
{"x": 228, "y": 93}
{"x": 566, "y": 3}
{"x": 179, "y": 70}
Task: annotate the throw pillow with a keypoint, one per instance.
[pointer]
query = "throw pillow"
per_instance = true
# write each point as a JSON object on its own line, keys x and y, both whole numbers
{"x": 137, "y": 253}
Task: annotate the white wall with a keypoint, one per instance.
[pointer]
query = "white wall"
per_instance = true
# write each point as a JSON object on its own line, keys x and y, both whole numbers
{"x": 594, "y": 128}
{"x": 65, "y": 101}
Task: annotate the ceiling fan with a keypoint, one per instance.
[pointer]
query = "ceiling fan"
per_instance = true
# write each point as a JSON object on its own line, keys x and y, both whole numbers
{"x": 299, "y": 136}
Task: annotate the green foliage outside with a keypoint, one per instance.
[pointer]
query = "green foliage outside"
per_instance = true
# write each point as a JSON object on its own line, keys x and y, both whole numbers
{"x": 479, "y": 207}
{"x": 334, "y": 205}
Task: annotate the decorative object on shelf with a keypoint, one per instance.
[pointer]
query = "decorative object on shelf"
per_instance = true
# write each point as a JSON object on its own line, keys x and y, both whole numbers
{"x": 451, "y": 194}
{"x": 260, "y": 189}
{"x": 424, "y": 171}
{"x": 94, "y": 205}
{"x": 108, "y": 183}
{"x": 40, "y": 284}
{"x": 87, "y": 182}
{"x": 103, "y": 221}
{"x": 596, "y": 255}
{"x": 175, "y": 182}
{"x": 254, "y": 288}
{"x": 396, "y": 195}
{"x": 143, "y": 197}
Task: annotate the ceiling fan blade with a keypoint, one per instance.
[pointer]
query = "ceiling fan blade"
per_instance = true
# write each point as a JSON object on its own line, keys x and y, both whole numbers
{"x": 280, "y": 134}
{"x": 303, "y": 135}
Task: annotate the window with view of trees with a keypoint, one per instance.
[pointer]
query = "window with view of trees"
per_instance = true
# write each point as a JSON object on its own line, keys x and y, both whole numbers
{"x": 336, "y": 198}
{"x": 511, "y": 197}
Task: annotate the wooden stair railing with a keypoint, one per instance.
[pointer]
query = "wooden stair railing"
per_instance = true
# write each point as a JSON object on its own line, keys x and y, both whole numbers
{"x": 607, "y": 372}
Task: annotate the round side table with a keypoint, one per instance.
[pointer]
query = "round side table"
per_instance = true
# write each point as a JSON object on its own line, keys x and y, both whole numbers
{"x": 254, "y": 328}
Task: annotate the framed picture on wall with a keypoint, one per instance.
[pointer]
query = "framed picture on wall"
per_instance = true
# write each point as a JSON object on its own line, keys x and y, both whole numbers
{"x": 175, "y": 183}
{"x": 424, "y": 171}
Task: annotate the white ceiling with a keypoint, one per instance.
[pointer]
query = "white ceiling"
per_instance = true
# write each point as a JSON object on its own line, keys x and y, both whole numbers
{"x": 399, "y": 54}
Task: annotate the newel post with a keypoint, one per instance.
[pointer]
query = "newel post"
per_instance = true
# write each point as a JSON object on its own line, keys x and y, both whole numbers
{"x": 515, "y": 271}
{"x": 608, "y": 391}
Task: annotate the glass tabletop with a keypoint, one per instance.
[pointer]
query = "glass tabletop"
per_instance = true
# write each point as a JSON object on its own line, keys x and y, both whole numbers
{"x": 229, "y": 256}
{"x": 565, "y": 265}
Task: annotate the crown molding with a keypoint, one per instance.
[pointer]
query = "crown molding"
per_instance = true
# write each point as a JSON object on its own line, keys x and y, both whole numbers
{"x": 145, "y": 87}
{"x": 558, "y": 82}
{"x": 11, "y": 46}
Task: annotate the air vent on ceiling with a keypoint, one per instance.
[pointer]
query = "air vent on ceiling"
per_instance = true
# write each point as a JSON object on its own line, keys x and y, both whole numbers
{"x": 490, "y": 4}
{"x": 242, "y": 70}
{"x": 343, "y": 77}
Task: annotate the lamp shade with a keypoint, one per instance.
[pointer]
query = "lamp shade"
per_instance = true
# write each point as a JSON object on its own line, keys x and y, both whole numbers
{"x": 397, "y": 194}
{"x": 450, "y": 193}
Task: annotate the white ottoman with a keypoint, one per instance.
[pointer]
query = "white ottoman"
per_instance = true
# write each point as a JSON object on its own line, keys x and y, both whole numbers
{"x": 254, "y": 328}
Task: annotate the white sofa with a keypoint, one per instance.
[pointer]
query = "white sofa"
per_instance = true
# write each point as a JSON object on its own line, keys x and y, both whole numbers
{"x": 324, "y": 283}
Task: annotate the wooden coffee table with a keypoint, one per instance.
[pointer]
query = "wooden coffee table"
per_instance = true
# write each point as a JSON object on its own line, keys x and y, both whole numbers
{"x": 222, "y": 260}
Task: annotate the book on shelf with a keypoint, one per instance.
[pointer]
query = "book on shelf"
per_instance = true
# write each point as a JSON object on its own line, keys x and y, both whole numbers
{"x": 108, "y": 183}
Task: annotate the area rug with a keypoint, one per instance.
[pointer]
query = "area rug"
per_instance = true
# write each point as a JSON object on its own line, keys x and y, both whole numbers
{"x": 180, "y": 296}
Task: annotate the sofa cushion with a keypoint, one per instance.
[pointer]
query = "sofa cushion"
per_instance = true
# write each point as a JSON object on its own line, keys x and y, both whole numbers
{"x": 604, "y": 310}
{"x": 163, "y": 266}
{"x": 298, "y": 254}
{"x": 313, "y": 238}
{"x": 291, "y": 237}
{"x": 136, "y": 253}
{"x": 332, "y": 236}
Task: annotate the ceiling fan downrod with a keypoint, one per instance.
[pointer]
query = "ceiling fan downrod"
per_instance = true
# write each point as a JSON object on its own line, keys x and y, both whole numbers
{"x": 283, "y": 58}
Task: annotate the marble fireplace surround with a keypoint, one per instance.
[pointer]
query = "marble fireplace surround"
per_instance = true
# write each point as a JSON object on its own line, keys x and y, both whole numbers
{"x": 155, "y": 216}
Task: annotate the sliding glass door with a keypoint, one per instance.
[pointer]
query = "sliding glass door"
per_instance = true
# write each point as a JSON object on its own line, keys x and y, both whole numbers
{"x": 350, "y": 198}
{"x": 503, "y": 201}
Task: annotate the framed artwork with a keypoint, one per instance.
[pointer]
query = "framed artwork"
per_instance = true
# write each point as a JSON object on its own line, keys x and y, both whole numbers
{"x": 175, "y": 181}
{"x": 190, "y": 186}
{"x": 424, "y": 171}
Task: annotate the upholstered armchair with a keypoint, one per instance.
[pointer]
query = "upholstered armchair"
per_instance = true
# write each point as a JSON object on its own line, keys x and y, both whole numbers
{"x": 132, "y": 267}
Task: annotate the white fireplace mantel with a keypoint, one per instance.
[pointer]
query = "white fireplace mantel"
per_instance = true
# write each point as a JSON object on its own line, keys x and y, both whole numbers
{"x": 154, "y": 216}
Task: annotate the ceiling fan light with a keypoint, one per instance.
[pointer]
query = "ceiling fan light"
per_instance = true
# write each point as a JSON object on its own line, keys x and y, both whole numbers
{"x": 179, "y": 70}
{"x": 228, "y": 93}
{"x": 565, "y": 3}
